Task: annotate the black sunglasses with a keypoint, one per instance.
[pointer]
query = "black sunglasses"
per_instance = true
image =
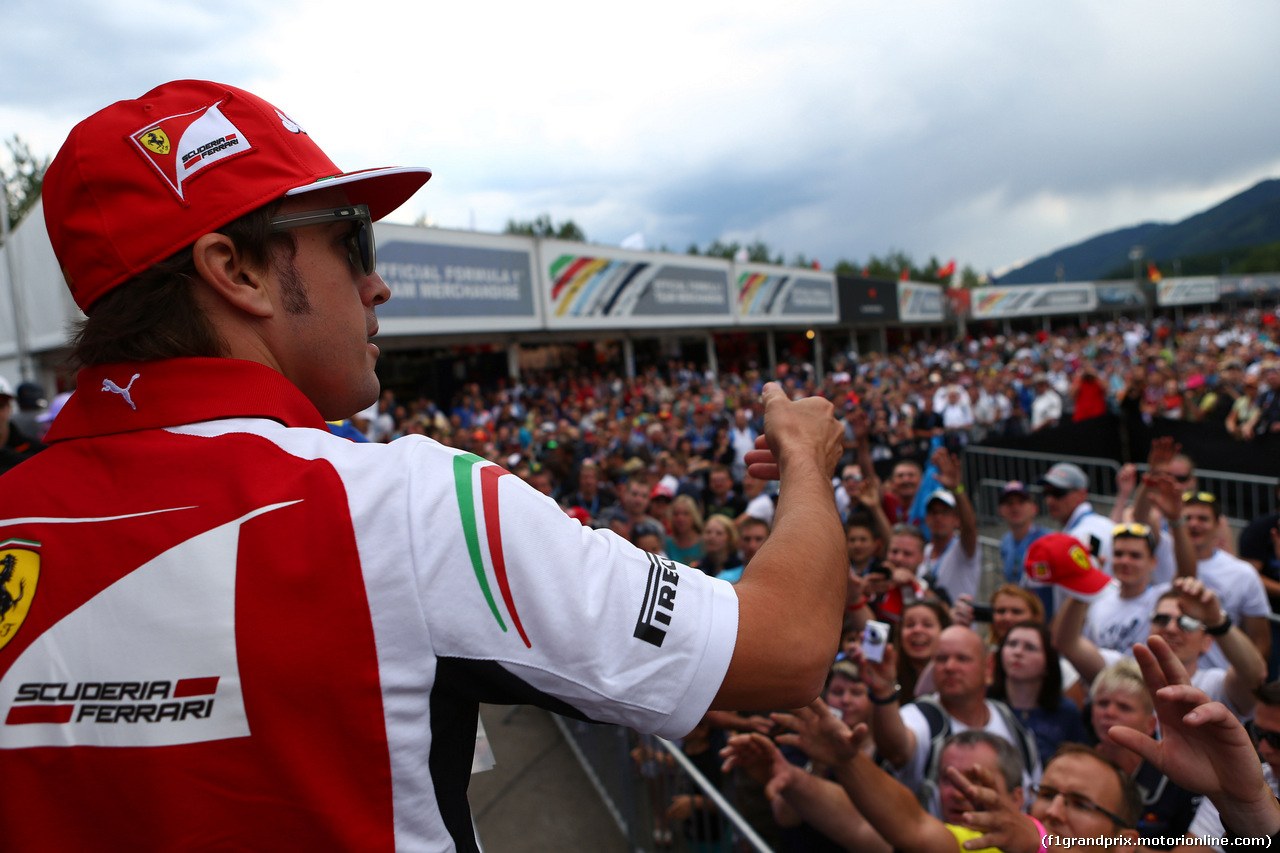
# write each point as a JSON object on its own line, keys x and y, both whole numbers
{"x": 360, "y": 245}
{"x": 1272, "y": 739}
{"x": 1053, "y": 492}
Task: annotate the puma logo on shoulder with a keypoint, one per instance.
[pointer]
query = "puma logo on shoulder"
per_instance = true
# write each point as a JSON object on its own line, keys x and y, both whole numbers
{"x": 108, "y": 385}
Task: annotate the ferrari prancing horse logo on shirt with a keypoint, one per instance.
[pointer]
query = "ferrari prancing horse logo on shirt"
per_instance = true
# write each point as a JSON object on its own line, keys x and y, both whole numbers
{"x": 19, "y": 571}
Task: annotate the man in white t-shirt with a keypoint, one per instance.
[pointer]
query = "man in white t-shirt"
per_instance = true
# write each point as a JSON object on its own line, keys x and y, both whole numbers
{"x": 1121, "y": 615}
{"x": 1046, "y": 408}
{"x": 952, "y": 559}
{"x": 1066, "y": 501}
{"x": 1237, "y": 584}
{"x": 1189, "y": 619}
{"x": 903, "y": 737}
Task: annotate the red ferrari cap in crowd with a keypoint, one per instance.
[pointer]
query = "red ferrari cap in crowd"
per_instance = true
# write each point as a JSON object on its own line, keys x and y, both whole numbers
{"x": 1061, "y": 560}
{"x": 141, "y": 179}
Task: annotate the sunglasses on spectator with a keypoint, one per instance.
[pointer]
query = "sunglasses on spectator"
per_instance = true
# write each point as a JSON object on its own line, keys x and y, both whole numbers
{"x": 1198, "y": 497}
{"x": 1054, "y": 492}
{"x": 1132, "y": 530}
{"x": 1181, "y": 478}
{"x": 360, "y": 246}
{"x": 1187, "y": 624}
{"x": 1272, "y": 739}
{"x": 1076, "y": 803}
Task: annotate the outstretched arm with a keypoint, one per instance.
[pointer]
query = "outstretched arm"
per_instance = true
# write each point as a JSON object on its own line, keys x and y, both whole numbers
{"x": 789, "y": 610}
{"x": 1126, "y": 481}
{"x": 1067, "y": 639}
{"x": 1204, "y": 748}
{"x": 948, "y": 476}
{"x": 1247, "y": 670}
{"x": 799, "y": 796}
{"x": 1003, "y": 826}
{"x": 888, "y": 805}
{"x": 895, "y": 742}
{"x": 869, "y": 498}
{"x": 1165, "y": 495}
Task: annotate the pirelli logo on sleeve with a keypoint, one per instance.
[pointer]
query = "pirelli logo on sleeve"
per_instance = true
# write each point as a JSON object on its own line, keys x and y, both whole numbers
{"x": 659, "y": 601}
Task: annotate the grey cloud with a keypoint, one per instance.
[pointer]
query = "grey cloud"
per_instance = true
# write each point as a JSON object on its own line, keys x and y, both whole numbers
{"x": 78, "y": 58}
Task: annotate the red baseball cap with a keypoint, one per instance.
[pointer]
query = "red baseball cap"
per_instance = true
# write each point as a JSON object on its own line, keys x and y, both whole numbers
{"x": 1059, "y": 559}
{"x": 141, "y": 179}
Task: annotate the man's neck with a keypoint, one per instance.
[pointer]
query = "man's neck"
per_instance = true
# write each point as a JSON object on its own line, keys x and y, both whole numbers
{"x": 970, "y": 710}
{"x": 1020, "y": 531}
{"x": 1134, "y": 587}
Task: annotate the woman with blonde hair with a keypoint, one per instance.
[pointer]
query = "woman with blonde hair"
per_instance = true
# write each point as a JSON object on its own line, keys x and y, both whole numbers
{"x": 720, "y": 557}
{"x": 684, "y": 544}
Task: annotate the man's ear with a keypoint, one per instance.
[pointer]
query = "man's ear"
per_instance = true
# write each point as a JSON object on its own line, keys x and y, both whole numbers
{"x": 227, "y": 272}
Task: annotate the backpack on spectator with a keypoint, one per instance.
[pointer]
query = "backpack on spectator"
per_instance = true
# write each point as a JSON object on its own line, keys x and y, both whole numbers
{"x": 940, "y": 729}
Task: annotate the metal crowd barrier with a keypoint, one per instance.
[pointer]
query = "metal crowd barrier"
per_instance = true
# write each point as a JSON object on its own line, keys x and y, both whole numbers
{"x": 640, "y": 777}
{"x": 1243, "y": 497}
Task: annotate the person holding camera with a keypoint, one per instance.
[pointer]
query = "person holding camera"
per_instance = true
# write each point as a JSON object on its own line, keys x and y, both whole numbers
{"x": 908, "y": 736}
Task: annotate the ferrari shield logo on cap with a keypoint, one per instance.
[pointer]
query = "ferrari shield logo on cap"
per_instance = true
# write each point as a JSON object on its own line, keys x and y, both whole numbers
{"x": 156, "y": 140}
{"x": 1080, "y": 557}
{"x": 19, "y": 571}
{"x": 180, "y": 146}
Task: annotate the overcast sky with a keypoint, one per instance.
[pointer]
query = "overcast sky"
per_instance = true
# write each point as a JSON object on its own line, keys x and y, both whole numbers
{"x": 991, "y": 132}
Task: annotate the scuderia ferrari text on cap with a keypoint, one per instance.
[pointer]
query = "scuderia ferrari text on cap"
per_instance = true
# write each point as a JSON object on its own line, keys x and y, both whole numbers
{"x": 141, "y": 179}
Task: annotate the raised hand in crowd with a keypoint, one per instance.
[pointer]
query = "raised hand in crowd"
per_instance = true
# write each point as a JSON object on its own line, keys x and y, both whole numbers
{"x": 820, "y": 734}
{"x": 880, "y": 677}
{"x": 1162, "y": 451}
{"x": 1126, "y": 484}
{"x": 1165, "y": 494}
{"x": 758, "y": 757}
{"x": 1198, "y": 601}
{"x": 1203, "y": 746}
{"x": 1003, "y": 826}
{"x": 948, "y": 468}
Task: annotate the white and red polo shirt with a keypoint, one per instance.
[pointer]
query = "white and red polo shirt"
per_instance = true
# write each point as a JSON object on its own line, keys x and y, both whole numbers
{"x": 222, "y": 627}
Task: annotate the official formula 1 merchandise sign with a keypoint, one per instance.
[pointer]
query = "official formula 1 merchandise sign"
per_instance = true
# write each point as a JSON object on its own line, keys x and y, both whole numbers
{"x": 772, "y": 295}
{"x": 1033, "y": 300}
{"x": 596, "y": 287}
{"x": 446, "y": 282}
{"x": 919, "y": 303}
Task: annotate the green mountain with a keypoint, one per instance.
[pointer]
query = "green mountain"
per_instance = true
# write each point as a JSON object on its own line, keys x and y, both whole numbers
{"x": 1200, "y": 243}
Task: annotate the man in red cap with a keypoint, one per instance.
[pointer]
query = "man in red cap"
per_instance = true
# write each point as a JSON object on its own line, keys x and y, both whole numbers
{"x": 222, "y": 626}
